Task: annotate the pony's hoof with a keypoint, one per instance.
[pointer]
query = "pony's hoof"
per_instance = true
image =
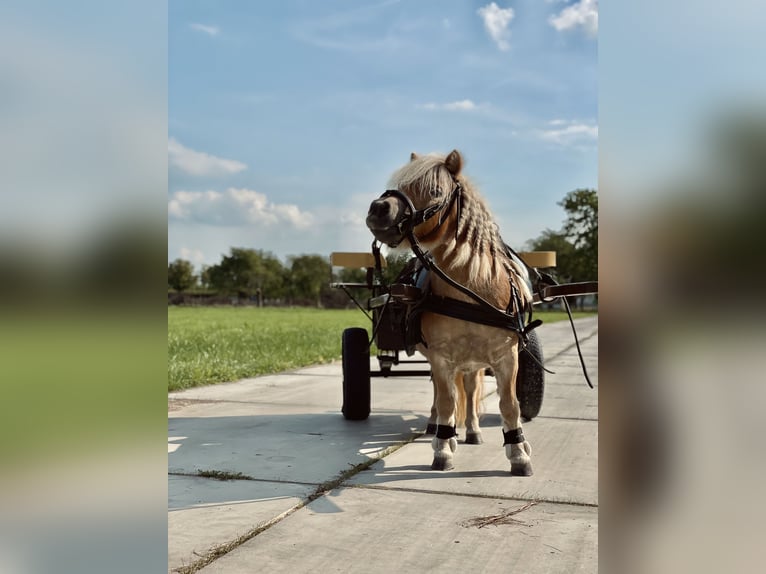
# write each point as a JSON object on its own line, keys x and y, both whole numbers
{"x": 521, "y": 469}
{"x": 473, "y": 438}
{"x": 431, "y": 428}
{"x": 441, "y": 463}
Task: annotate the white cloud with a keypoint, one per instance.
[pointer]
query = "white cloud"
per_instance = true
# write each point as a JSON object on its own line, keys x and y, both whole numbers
{"x": 458, "y": 106}
{"x": 347, "y": 30}
{"x": 235, "y": 207}
{"x": 200, "y": 163}
{"x": 581, "y": 14}
{"x": 194, "y": 255}
{"x": 569, "y": 133}
{"x": 496, "y": 22}
{"x": 209, "y": 30}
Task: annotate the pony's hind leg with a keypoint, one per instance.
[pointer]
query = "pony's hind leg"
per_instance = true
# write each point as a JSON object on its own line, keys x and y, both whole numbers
{"x": 517, "y": 449}
{"x": 445, "y": 441}
{"x": 474, "y": 385}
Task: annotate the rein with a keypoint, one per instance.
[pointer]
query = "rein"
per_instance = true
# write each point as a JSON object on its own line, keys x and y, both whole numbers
{"x": 486, "y": 314}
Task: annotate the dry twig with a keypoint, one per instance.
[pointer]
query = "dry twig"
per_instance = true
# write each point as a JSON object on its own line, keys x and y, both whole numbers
{"x": 504, "y": 518}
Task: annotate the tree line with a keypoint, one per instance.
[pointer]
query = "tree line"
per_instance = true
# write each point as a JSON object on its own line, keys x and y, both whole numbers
{"x": 260, "y": 277}
{"x": 576, "y": 243}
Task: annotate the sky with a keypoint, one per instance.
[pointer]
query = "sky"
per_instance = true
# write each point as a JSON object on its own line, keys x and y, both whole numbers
{"x": 286, "y": 119}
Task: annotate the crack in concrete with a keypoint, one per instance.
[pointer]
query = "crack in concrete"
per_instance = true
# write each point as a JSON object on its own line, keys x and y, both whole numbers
{"x": 561, "y": 502}
{"x": 236, "y": 476}
{"x": 320, "y": 491}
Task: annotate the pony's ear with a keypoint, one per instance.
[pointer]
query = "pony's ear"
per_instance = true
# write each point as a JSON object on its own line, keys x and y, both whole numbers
{"x": 454, "y": 162}
{"x": 413, "y": 156}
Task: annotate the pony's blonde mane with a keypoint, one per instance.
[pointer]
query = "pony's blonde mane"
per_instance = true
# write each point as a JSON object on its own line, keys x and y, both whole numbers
{"x": 477, "y": 244}
{"x": 428, "y": 171}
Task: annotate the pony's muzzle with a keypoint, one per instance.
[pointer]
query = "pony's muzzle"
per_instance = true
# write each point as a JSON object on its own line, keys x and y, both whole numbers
{"x": 384, "y": 217}
{"x": 384, "y": 212}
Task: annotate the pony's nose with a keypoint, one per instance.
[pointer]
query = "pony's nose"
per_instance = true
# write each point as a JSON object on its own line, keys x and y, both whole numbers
{"x": 380, "y": 209}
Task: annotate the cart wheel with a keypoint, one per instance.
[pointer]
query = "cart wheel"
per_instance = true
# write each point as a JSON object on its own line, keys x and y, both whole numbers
{"x": 356, "y": 374}
{"x": 531, "y": 378}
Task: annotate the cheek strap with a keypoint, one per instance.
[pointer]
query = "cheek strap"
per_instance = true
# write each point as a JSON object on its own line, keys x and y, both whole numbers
{"x": 514, "y": 436}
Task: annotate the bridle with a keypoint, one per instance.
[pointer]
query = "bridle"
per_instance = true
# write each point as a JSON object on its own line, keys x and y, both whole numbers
{"x": 407, "y": 224}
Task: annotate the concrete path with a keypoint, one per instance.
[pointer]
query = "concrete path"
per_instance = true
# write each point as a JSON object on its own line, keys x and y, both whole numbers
{"x": 308, "y": 491}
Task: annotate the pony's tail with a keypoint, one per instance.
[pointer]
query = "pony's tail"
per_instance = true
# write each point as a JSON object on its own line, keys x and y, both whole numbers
{"x": 461, "y": 399}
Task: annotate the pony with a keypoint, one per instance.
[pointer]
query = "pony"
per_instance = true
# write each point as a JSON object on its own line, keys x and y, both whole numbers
{"x": 430, "y": 201}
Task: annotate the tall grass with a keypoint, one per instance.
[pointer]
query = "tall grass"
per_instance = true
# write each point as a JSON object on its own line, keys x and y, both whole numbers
{"x": 215, "y": 344}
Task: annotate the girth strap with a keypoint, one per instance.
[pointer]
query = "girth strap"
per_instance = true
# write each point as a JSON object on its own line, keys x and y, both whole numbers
{"x": 471, "y": 312}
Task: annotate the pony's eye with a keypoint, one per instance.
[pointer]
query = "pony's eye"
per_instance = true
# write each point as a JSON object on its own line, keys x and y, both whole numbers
{"x": 435, "y": 192}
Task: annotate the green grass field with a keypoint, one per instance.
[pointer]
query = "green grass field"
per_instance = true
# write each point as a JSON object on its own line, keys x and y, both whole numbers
{"x": 215, "y": 344}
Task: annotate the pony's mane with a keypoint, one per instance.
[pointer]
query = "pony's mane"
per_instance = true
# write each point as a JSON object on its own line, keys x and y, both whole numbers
{"x": 477, "y": 244}
{"x": 427, "y": 170}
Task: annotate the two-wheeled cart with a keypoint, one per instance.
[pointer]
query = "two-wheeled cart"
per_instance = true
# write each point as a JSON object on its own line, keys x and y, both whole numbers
{"x": 387, "y": 306}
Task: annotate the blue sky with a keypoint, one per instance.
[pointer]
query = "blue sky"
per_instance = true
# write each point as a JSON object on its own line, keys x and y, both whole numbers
{"x": 285, "y": 119}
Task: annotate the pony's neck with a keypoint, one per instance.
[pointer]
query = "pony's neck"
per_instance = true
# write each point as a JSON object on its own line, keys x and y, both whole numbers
{"x": 469, "y": 249}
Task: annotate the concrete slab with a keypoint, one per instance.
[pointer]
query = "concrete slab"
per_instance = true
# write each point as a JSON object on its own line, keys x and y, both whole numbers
{"x": 354, "y": 529}
{"x": 313, "y": 387}
{"x": 569, "y": 401}
{"x": 556, "y": 337}
{"x": 279, "y": 443}
{"x": 564, "y": 459}
{"x": 204, "y": 513}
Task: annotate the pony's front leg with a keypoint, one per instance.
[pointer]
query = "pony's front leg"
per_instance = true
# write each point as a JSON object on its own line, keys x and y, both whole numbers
{"x": 517, "y": 449}
{"x": 474, "y": 385}
{"x": 431, "y": 428}
{"x": 445, "y": 441}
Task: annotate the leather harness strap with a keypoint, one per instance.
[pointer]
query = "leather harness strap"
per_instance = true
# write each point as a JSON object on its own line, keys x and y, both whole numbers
{"x": 445, "y": 432}
{"x": 566, "y": 290}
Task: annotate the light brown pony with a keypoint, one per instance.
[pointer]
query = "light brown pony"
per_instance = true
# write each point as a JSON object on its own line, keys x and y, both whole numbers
{"x": 464, "y": 242}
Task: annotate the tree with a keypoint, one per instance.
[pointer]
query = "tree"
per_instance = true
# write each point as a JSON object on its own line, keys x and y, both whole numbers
{"x": 248, "y": 273}
{"x": 395, "y": 262}
{"x": 581, "y": 227}
{"x": 351, "y": 275}
{"x": 181, "y": 275}
{"x": 204, "y": 277}
{"x": 309, "y": 274}
{"x": 566, "y": 258}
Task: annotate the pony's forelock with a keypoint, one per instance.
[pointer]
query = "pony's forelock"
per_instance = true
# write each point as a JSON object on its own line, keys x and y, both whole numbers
{"x": 428, "y": 170}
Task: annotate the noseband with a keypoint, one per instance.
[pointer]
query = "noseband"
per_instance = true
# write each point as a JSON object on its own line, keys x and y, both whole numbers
{"x": 415, "y": 217}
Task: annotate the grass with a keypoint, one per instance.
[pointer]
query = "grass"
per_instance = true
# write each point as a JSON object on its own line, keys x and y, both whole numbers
{"x": 215, "y": 344}
{"x": 78, "y": 382}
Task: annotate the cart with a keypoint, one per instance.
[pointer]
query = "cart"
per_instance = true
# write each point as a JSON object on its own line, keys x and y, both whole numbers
{"x": 387, "y": 305}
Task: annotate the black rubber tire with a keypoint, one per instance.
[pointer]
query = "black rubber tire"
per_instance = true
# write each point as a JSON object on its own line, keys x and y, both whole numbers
{"x": 356, "y": 374}
{"x": 530, "y": 382}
